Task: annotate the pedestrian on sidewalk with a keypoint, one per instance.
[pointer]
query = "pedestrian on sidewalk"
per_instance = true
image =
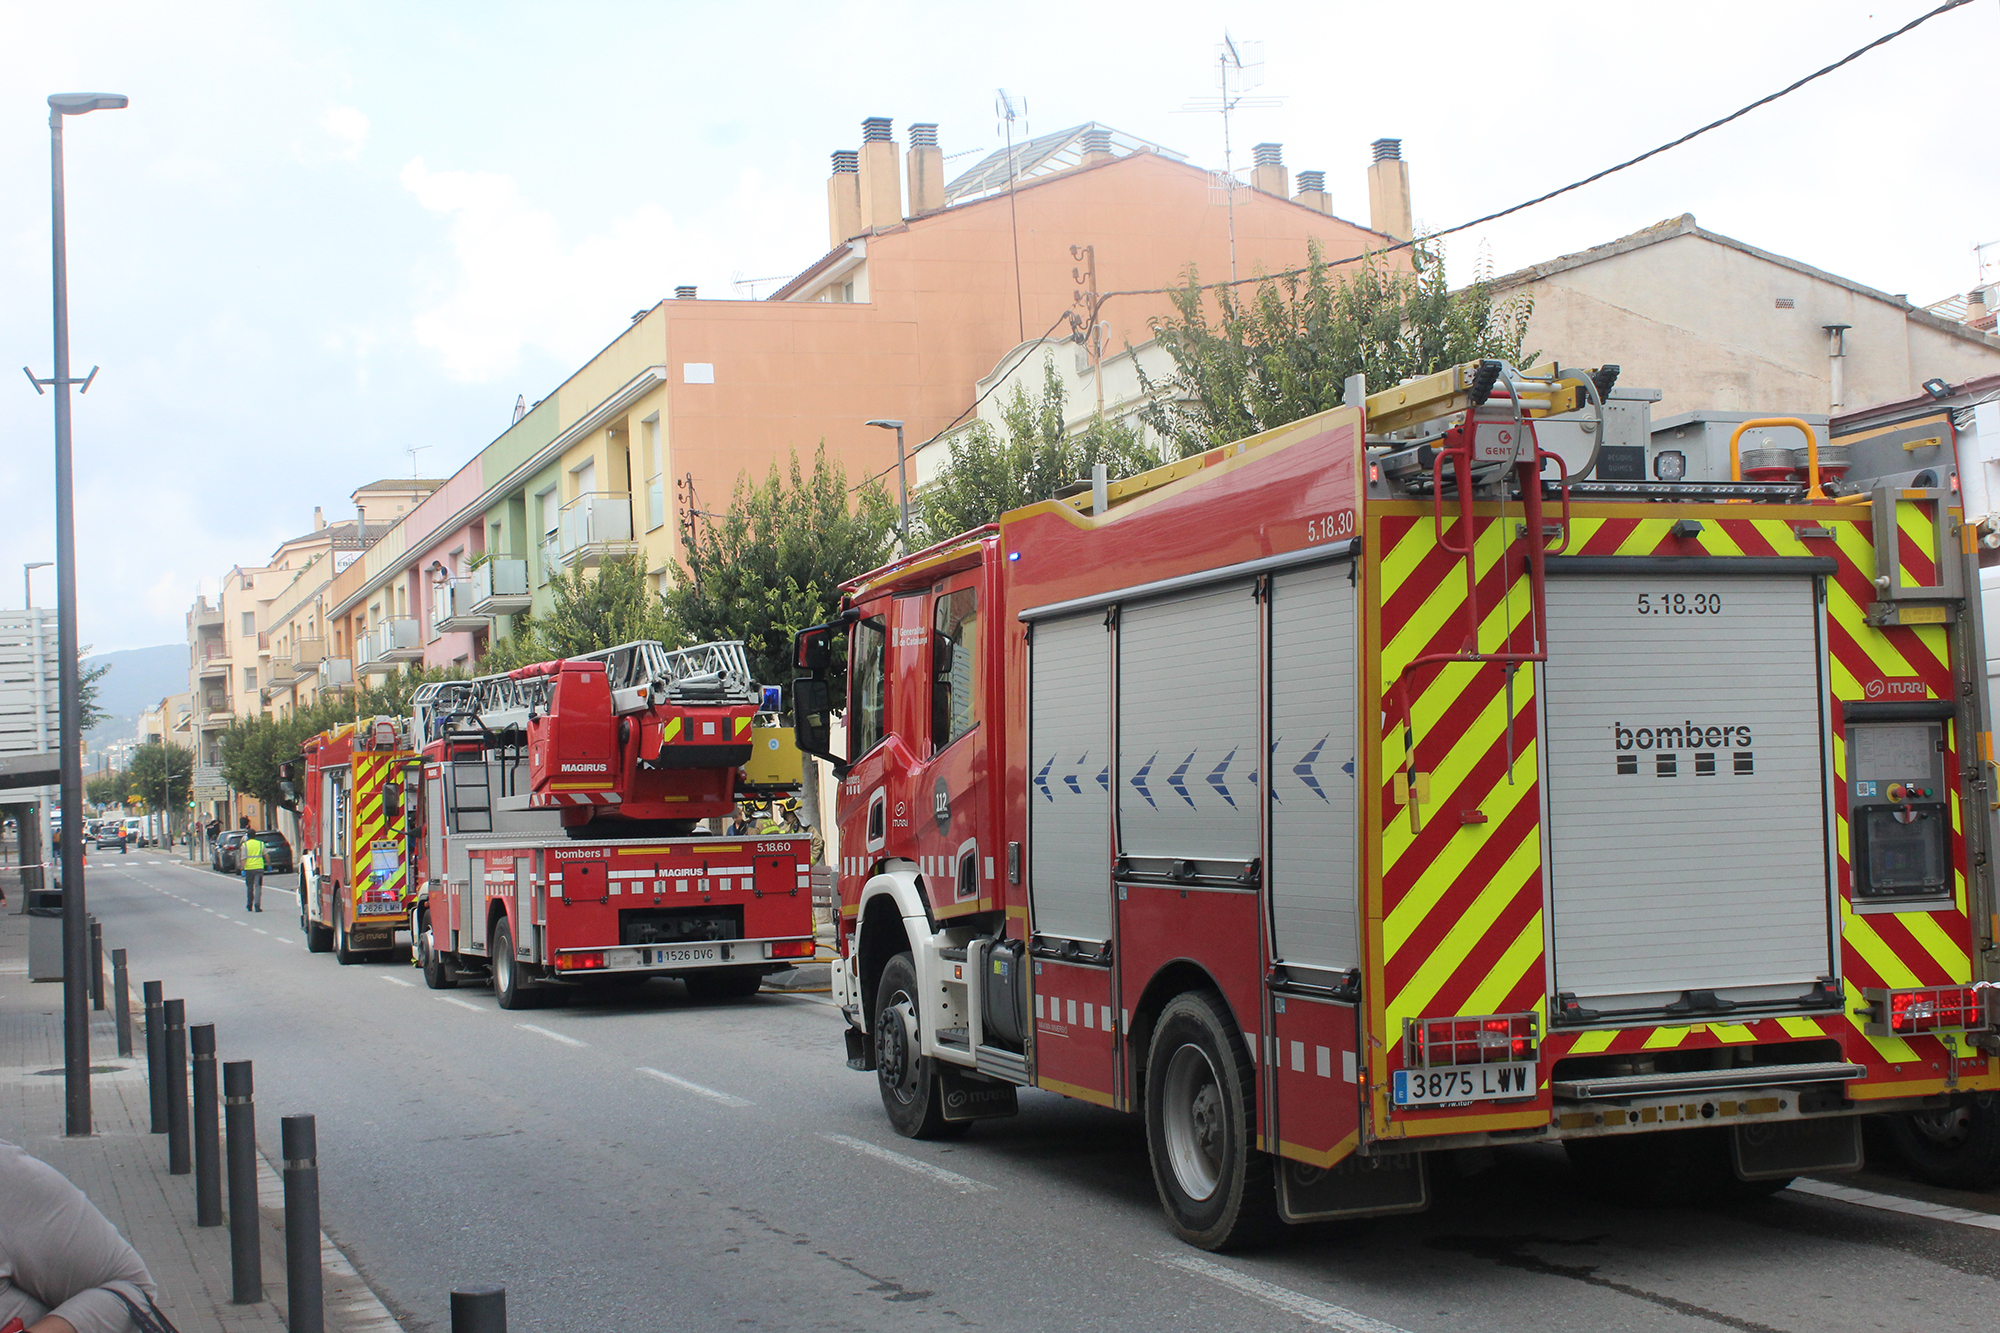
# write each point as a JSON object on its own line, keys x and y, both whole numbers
{"x": 251, "y": 857}
{"x": 63, "y": 1267}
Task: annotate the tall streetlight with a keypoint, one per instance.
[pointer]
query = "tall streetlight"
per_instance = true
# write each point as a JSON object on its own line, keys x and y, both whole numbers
{"x": 902, "y": 478}
{"x": 76, "y": 934}
{"x": 28, "y": 569}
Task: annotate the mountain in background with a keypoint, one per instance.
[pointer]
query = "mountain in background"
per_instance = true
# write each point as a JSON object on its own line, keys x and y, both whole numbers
{"x": 139, "y": 678}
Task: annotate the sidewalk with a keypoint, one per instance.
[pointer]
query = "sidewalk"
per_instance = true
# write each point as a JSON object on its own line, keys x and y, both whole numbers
{"x": 123, "y": 1168}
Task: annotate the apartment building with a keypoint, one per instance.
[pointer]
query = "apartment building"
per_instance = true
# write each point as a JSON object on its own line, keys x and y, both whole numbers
{"x": 923, "y": 292}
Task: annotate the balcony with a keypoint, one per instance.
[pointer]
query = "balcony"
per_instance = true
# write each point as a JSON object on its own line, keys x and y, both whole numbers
{"x": 395, "y": 640}
{"x": 452, "y": 611}
{"x": 204, "y": 616}
{"x": 307, "y": 653}
{"x": 595, "y": 527}
{"x": 500, "y": 588}
{"x": 217, "y": 708}
{"x": 280, "y": 680}
{"x": 335, "y": 672}
{"x": 213, "y": 665}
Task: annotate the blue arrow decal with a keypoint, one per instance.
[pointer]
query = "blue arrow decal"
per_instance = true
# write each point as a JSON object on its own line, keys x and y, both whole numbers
{"x": 1348, "y": 768}
{"x": 1215, "y": 778}
{"x": 1178, "y": 780}
{"x": 1104, "y": 777}
{"x": 1042, "y": 778}
{"x": 1074, "y": 780}
{"x": 1304, "y": 770}
{"x": 1139, "y": 781}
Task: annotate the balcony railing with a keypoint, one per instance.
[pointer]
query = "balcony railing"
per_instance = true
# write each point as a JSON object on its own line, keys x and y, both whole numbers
{"x": 551, "y": 552}
{"x": 500, "y": 588}
{"x": 281, "y": 679}
{"x": 452, "y": 610}
{"x": 213, "y": 664}
{"x": 335, "y": 672}
{"x": 395, "y": 640}
{"x": 595, "y": 527}
{"x": 307, "y": 653}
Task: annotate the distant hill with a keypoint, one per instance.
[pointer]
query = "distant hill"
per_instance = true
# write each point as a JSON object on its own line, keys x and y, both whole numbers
{"x": 139, "y": 678}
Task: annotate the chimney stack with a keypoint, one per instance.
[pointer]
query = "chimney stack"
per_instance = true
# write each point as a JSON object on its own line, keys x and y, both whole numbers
{"x": 1976, "y": 308}
{"x": 925, "y": 164}
{"x": 843, "y": 198}
{"x": 1269, "y": 173}
{"x": 1389, "y": 191}
{"x": 319, "y": 520}
{"x": 1096, "y": 144}
{"x": 1312, "y": 192}
{"x": 684, "y": 293}
{"x": 881, "y": 191}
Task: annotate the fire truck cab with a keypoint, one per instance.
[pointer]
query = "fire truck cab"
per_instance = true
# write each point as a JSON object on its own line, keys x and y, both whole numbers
{"x": 1469, "y": 765}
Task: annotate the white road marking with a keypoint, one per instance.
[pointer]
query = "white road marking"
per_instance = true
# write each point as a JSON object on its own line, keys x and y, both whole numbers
{"x": 540, "y": 1032}
{"x": 281, "y": 939}
{"x": 963, "y": 1184}
{"x": 395, "y": 981}
{"x": 1936, "y": 1212}
{"x": 1284, "y": 1298}
{"x": 463, "y": 1004}
{"x": 260, "y": 930}
{"x": 809, "y": 999}
{"x": 725, "y": 1098}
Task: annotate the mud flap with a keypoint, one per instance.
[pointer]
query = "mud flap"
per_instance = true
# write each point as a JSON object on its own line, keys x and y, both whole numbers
{"x": 1355, "y": 1187}
{"x": 1783, "y": 1148}
{"x": 966, "y": 1097}
{"x": 860, "y": 1050}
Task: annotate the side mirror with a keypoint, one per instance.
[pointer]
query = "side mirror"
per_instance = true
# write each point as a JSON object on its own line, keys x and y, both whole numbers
{"x": 812, "y": 720}
{"x": 812, "y": 650}
{"x": 941, "y": 656}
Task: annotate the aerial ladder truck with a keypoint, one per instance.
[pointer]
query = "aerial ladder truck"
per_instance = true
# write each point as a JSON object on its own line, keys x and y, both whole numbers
{"x": 1477, "y": 763}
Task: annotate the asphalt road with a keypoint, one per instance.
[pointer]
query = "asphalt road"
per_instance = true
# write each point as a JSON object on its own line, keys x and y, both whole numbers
{"x": 639, "y": 1161}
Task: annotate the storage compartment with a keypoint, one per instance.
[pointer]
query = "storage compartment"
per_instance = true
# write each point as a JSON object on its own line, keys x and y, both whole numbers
{"x": 1003, "y": 995}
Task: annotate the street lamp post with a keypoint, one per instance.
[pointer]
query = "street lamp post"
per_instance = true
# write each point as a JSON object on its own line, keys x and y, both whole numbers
{"x": 76, "y": 931}
{"x": 28, "y": 578}
{"x": 902, "y": 479}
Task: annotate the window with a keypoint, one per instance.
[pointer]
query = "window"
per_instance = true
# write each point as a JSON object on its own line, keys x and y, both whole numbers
{"x": 249, "y": 623}
{"x": 954, "y": 650}
{"x": 656, "y": 493}
{"x": 249, "y": 678}
{"x": 869, "y": 684}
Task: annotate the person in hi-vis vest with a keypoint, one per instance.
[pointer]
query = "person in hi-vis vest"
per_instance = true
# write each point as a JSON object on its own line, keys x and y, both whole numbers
{"x": 252, "y": 854}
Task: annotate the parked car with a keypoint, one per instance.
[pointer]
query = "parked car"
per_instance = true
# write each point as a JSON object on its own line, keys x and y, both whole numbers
{"x": 277, "y": 852}
{"x": 222, "y": 853}
{"x": 109, "y": 834}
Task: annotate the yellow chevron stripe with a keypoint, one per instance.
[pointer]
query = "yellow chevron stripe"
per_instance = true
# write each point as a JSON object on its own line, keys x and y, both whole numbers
{"x": 1923, "y": 928}
{"x": 1525, "y": 952}
{"x": 1732, "y": 1032}
{"x": 1893, "y": 1049}
{"x": 1663, "y": 1038}
{"x": 1443, "y": 872}
{"x": 1857, "y": 544}
{"x": 1466, "y": 932}
{"x": 1801, "y": 1027}
{"x": 1444, "y": 599}
{"x": 743, "y": 725}
{"x": 1918, "y": 526}
{"x": 1881, "y": 959}
{"x": 1590, "y": 1043}
{"x": 1646, "y": 537}
{"x": 672, "y": 731}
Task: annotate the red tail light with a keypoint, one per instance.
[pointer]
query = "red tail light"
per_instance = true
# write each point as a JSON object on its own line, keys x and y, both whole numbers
{"x": 1912, "y": 1013}
{"x": 1440, "y": 1043}
{"x": 574, "y": 962}
{"x": 789, "y": 949}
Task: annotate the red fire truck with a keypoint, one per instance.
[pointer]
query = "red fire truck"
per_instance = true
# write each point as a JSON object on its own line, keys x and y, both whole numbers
{"x": 553, "y": 826}
{"x": 1470, "y": 765}
{"x": 354, "y": 851}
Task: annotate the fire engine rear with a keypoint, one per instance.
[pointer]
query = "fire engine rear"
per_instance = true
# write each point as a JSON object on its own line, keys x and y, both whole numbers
{"x": 1469, "y": 765}
{"x": 354, "y": 846}
{"x": 555, "y": 811}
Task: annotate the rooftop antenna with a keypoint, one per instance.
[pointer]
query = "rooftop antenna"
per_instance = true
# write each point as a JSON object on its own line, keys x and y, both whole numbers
{"x": 749, "y": 286}
{"x": 1239, "y": 67}
{"x": 1007, "y": 110}
{"x": 520, "y": 406}
{"x": 413, "y": 450}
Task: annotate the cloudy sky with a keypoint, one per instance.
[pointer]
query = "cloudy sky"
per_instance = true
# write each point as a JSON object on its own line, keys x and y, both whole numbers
{"x": 327, "y": 234}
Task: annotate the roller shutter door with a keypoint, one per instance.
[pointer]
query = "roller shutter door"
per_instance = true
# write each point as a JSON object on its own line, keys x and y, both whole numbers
{"x": 1686, "y": 788}
{"x": 1069, "y": 800}
{"x": 1311, "y": 771}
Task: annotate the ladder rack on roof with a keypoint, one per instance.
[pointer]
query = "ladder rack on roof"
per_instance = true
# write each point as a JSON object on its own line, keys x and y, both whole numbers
{"x": 644, "y": 673}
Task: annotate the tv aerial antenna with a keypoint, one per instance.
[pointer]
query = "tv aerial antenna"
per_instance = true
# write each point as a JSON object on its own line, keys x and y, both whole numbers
{"x": 1239, "y": 68}
{"x": 413, "y": 450}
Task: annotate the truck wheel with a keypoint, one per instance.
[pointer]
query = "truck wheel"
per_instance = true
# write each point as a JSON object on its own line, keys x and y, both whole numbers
{"x": 507, "y": 987}
{"x": 1958, "y": 1148}
{"x": 344, "y": 952}
{"x": 439, "y": 974}
{"x": 1217, "y": 1189}
{"x": 318, "y": 938}
{"x": 730, "y": 983}
{"x": 909, "y": 1081}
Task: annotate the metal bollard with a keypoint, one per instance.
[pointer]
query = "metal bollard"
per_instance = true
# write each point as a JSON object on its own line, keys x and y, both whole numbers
{"x": 305, "y": 1303}
{"x": 246, "y": 1253}
{"x": 121, "y": 983}
{"x": 481, "y": 1309}
{"x": 156, "y": 1055}
{"x": 207, "y": 1130}
{"x": 96, "y": 964}
{"x": 177, "y": 1089}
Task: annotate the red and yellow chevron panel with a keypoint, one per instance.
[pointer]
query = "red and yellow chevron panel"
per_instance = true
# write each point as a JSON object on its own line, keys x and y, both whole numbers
{"x": 373, "y": 770}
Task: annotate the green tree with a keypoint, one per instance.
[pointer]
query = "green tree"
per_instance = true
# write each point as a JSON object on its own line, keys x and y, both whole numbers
{"x": 590, "y": 612}
{"x": 1247, "y": 362}
{"x": 88, "y": 680}
{"x": 773, "y": 564}
{"x": 988, "y": 474}
{"x": 107, "y": 788}
{"x": 162, "y": 775}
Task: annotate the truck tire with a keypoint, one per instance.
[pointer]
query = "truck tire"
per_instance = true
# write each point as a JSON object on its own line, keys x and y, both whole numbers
{"x": 318, "y": 938}
{"x": 1218, "y": 1191}
{"x": 439, "y": 974}
{"x": 729, "y": 983}
{"x": 1958, "y": 1148}
{"x": 508, "y": 989}
{"x": 908, "y": 1081}
{"x": 343, "y": 952}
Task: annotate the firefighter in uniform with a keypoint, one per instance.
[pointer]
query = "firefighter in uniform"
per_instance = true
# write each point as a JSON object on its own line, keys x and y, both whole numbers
{"x": 252, "y": 853}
